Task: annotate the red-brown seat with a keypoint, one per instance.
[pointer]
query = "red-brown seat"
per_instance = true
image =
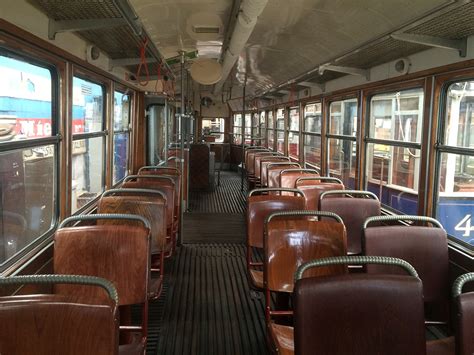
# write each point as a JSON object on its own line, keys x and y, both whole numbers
{"x": 354, "y": 207}
{"x": 288, "y": 177}
{"x": 166, "y": 185}
{"x": 252, "y": 170}
{"x": 464, "y": 322}
{"x": 120, "y": 254}
{"x": 250, "y": 163}
{"x": 260, "y": 163}
{"x": 424, "y": 247}
{"x": 358, "y": 313}
{"x": 259, "y": 207}
{"x": 313, "y": 187}
{"x": 265, "y": 166}
{"x": 291, "y": 239}
{"x": 273, "y": 172}
{"x": 47, "y": 324}
{"x": 151, "y": 205}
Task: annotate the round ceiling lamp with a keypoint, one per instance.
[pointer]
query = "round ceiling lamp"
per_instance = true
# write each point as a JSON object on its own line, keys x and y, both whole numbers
{"x": 206, "y": 71}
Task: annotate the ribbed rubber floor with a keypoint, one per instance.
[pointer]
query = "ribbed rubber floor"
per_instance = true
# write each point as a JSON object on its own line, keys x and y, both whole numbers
{"x": 226, "y": 198}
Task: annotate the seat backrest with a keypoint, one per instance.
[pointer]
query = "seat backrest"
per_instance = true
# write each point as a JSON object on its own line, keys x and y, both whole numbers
{"x": 288, "y": 177}
{"x": 267, "y": 158}
{"x": 151, "y": 207}
{"x": 260, "y": 207}
{"x": 251, "y": 170}
{"x": 159, "y": 185}
{"x": 250, "y": 161}
{"x": 58, "y": 324}
{"x": 171, "y": 172}
{"x": 292, "y": 240}
{"x": 426, "y": 248}
{"x": 313, "y": 187}
{"x": 199, "y": 160}
{"x": 252, "y": 150}
{"x": 118, "y": 253}
{"x": 464, "y": 317}
{"x": 266, "y": 164}
{"x": 273, "y": 172}
{"x": 353, "y": 211}
{"x": 359, "y": 314}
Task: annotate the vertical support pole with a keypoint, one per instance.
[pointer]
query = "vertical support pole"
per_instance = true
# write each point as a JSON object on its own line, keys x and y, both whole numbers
{"x": 243, "y": 135}
{"x": 166, "y": 131}
{"x": 181, "y": 117}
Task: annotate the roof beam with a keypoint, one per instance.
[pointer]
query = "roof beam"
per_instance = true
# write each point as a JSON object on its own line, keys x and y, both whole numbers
{"x": 284, "y": 92}
{"x": 346, "y": 70}
{"x": 82, "y": 25}
{"x": 123, "y": 62}
{"x": 310, "y": 84}
{"x": 459, "y": 45}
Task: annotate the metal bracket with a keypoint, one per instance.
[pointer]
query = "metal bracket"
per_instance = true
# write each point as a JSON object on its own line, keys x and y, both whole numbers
{"x": 459, "y": 45}
{"x": 310, "y": 84}
{"x": 82, "y": 25}
{"x": 346, "y": 70}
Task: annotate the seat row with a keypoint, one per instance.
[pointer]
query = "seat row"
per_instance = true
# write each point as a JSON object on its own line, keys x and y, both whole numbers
{"x": 121, "y": 249}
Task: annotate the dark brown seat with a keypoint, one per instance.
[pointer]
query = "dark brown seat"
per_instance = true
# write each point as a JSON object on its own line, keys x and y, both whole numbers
{"x": 267, "y": 164}
{"x": 259, "y": 207}
{"x": 464, "y": 320}
{"x": 259, "y": 165}
{"x": 313, "y": 187}
{"x": 199, "y": 160}
{"x": 120, "y": 254}
{"x": 59, "y": 324}
{"x": 151, "y": 205}
{"x": 354, "y": 207}
{"x": 250, "y": 163}
{"x": 358, "y": 313}
{"x": 166, "y": 185}
{"x": 291, "y": 239}
{"x": 424, "y": 247}
{"x": 273, "y": 172}
{"x": 288, "y": 177}
{"x": 252, "y": 170}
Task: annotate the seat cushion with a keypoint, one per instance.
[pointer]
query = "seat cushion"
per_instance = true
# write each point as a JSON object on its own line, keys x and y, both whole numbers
{"x": 445, "y": 346}
{"x": 256, "y": 277}
{"x": 283, "y": 338}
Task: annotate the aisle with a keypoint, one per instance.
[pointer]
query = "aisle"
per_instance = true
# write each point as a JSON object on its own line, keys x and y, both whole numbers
{"x": 207, "y": 306}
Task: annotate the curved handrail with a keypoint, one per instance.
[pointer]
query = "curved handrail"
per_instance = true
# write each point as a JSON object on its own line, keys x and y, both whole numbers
{"x": 361, "y": 260}
{"x": 348, "y": 192}
{"x": 153, "y": 167}
{"x": 269, "y": 189}
{"x": 321, "y": 178}
{"x": 92, "y": 217}
{"x": 156, "y": 177}
{"x": 374, "y": 219}
{"x": 297, "y": 213}
{"x": 301, "y": 170}
{"x": 137, "y": 191}
{"x": 460, "y": 282}
{"x": 63, "y": 279}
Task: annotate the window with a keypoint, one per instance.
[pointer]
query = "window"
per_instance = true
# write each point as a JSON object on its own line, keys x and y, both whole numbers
{"x": 280, "y": 130}
{"x": 237, "y": 128}
{"x": 88, "y": 151}
{"x": 256, "y": 129}
{"x": 394, "y": 148}
{"x": 28, "y": 154}
{"x": 455, "y": 202}
{"x": 248, "y": 128}
{"x": 312, "y": 134}
{"x": 270, "y": 131}
{"x": 342, "y": 140}
{"x": 121, "y": 135}
{"x": 213, "y": 129}
{"x": 294, "y": 132}
{"x": 263, "y": 128}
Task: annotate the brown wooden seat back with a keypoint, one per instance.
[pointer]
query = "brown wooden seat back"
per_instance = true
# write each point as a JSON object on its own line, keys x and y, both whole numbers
{"x": 291, "y": 241}
{"x": 259, "y": 163}
{"x": 354, "y": 212}
{"x": 166, "y": 188}
{"x": 170, "y": 172}
{"x": 118, "y": 253}
{"x": 273, "y": 173}
{"x": 252, "y": 170}
{"x": 57, "y": 324}
{"x": 425, "y": 248}
{"x": 312, "y": 190}
{"x": 260, "y": 207}
{"x": 465, "y": 324}
{"x": 250, "y": 162}
{"x": 252, "y": 150}
{"x": 153, "y": 208}
{"x": 288, "y": 177}
{"x": 359, "y": 314}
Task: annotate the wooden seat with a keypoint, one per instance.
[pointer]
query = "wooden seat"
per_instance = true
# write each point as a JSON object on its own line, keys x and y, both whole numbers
{"x": 273, "y": 172}
{"x": 250, "y": 163}
{"x": 359, "y": 313}
{"x": 424, "y": 247}
{"x": 260, "y": 163}
{"x": 313, "y": 187}
{"x": 251, "y": 168}
{"x": 166, "y": 185}
{"x": 151, "y": 205}
{"x": 120, "y": 254}
{"x": 291, "y": 239}
{"x": 288, "y": 177}
{"x": 47, "y": 324}
{"x": 464, "y": 323}
{"x": 354, "y": 207}
{"x": 265, "y": 166}
{"x": 259, "y": 207}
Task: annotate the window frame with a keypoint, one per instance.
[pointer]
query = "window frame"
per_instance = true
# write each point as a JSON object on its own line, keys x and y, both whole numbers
{"x": 305, "y": 133}
{"x": 282, "y": 130}
{"x": 124, "y": 91}
{"x": 294, "y": 132}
